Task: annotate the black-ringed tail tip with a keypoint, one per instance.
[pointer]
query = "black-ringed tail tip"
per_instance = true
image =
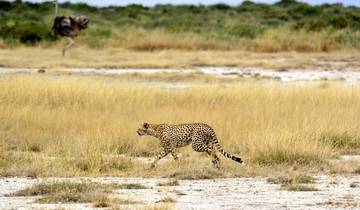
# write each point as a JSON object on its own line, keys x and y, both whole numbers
{"x": 237, "y": 159}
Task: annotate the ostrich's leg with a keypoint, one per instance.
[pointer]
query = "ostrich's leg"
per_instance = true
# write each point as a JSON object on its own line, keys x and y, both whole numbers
{"x": 56, "y": 7}
{"x": 71, "y": 43}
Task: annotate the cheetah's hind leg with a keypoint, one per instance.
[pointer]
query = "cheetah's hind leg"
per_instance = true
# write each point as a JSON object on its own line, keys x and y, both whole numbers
{"x": 215, "y": 159}
{"x": 201, "y": 143}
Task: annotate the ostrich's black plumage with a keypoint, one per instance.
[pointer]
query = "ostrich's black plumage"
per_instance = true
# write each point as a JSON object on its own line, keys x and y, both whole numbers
{"x": 67, "y": 26}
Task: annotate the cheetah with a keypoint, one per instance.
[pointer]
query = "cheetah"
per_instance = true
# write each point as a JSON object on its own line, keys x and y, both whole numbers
{"x": 201, "y": 136}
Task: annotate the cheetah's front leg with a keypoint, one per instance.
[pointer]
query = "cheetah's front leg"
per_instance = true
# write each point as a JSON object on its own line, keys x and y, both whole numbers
{"x": 174, "y": 152}
{"x": 161, "y": 154}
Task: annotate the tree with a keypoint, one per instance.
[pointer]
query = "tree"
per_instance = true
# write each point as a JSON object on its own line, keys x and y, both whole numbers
{"x": 286, "y": 3}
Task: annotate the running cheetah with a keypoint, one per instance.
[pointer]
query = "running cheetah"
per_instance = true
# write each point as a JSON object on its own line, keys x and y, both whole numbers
{"x": 201, "y": 137}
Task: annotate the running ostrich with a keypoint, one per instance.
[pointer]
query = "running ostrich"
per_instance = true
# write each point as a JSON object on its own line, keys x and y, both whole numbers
{"x": 67, "y": 26}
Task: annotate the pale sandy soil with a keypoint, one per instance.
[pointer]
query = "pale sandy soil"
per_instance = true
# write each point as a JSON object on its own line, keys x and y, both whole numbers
{"x": 295, "y": 75}
{"x": 334, "y": 192}
{"x": 283, "y": 76}
{"x": 233, "y": 193}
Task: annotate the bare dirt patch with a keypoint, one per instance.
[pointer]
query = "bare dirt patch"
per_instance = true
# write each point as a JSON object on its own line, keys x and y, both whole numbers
{"x": 232, "y": 193}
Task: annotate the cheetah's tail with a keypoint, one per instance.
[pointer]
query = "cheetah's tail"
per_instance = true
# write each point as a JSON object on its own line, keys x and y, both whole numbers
{"x": 228, "y": 155}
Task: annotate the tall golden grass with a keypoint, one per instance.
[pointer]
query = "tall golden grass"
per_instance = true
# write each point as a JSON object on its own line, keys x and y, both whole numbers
{"x": 138, "y": 39}
{"x": 68, "y": 125}
{"x": 282, "y": 39}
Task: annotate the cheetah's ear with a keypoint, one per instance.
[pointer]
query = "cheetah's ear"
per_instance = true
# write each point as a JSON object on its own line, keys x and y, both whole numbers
{"x": 146, "y": 125}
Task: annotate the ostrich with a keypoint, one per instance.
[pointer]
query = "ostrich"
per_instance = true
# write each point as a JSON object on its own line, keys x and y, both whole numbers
{"x": 67, "y": 26}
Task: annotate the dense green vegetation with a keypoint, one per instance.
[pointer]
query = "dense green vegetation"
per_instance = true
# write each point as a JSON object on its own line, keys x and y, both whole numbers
{"x": 30, "y": 23}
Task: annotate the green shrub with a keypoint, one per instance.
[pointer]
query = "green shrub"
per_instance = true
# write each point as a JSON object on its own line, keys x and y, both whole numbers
{"x": 30, "y": 23}
{"x": 304, "y": 10}
{"x": 286, "y": 3}
{"x": 246, "y": 31}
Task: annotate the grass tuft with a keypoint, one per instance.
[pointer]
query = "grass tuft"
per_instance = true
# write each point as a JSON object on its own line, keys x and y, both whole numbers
{"x": 296, "y": 179}
{"x": 102, "y": 202}
{"x": 66, "y": 192}
{"x": 344, "y": 142}
{"x": 158, "y": 207}
{"x": 34, "y": 148}
{"x": 167, "y": 199}
{"x": 357, "y": 170}
{"x": 169, "y": 183}
{"x": 294, "y": 183}
{"x": 298, "y": 187}
{"x": 130, "y": 186}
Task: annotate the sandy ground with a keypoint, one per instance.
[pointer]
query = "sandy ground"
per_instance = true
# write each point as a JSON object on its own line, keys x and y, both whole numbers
{"x": 233, "y": 193}
{"x": 281, "y": 75}
{"x": 285, "y": 76}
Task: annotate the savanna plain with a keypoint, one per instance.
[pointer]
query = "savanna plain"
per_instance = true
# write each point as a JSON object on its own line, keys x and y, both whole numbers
{"x": 79, "y": 126}
{"x": 75, "y": 125}
{"x": 68, "y": 135}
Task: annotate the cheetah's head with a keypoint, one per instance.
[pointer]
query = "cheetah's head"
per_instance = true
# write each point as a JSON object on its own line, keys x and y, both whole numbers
{"x": 145, "y": 129}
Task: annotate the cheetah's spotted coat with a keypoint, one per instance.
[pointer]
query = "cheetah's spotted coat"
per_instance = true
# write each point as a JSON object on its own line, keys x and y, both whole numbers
{"x": 201, "y": 137}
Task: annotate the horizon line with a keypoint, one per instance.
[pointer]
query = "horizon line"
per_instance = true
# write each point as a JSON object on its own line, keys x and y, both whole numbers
{"x": 180, "y": 4}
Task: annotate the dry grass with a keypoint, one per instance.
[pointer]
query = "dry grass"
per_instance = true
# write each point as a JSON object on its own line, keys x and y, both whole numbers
{"x": 85, "y": 192}
{"x": 74, "y": 124}
{"x": 50, "y": 58}
{"x": 298, "y": 187}
{"x": 283, "y": 39}
{"x": 288, "y": 40}
{"x": 344, "y": 167}
{"x": 295, "y": 179}
{"x": 341, "y": 203}
{"x": 65, "y": 192}
{"x": 344, "y": 202}
{"x": 154, "y": 40}
{"x": 273, "y": 40}
{"x": 295, "y": 182}
{"x": 158, "y": 207}
{"x": 102, "y": 202}
{"x": 357, "y": 170}
{"x": 167, "y": 199}
{"x": 169, "y": 183}
{"x": 131, "y": 186}
{"x": 342, "y": 141}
